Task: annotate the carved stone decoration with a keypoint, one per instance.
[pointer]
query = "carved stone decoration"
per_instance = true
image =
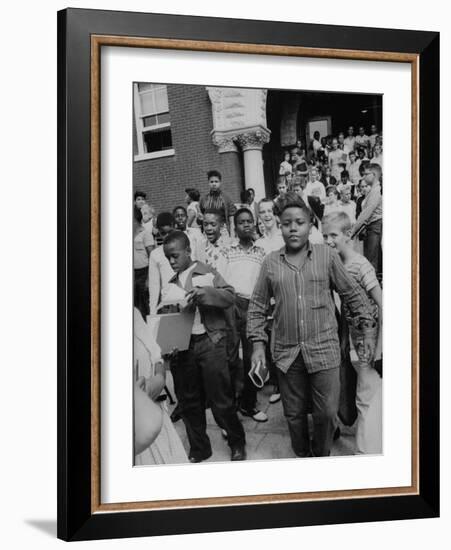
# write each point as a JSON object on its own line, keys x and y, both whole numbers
{"x": 253, "y": 138}
{"x": 224, "y": 143}
{"x": 237, "y": 111}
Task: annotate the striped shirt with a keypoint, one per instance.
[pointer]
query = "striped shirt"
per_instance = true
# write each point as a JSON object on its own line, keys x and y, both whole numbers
{"x": 304, "y": 313}
{"x": 218, "y": 201}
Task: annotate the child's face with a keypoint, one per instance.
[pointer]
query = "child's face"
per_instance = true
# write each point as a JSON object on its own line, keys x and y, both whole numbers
{"x": 328, "y": 172}
{"x": 297, "y": 189}
{"x": 212, "y": 227}
{"x": 335, "y": 144}
{"x": 147, "y": 213}
{"x": 282, "y": 188}
{"x": 331, "y": 197}
{"x": 296, "y": 226}
{"x": 215, "y": 183}
{"x": 140, "y": 202}
{"x": 287, "y": 157}
{"x": 244, "y": 226}
{"x": 313, "y": 175}
{"x": 373, "y": 129}
{"x": 350, "y": 131}
{"x": 180, "y": 219}
{"x": 361, "y": 154}
{"x": 351, "y": 158}
{"x": 364, "y": 188}
{"x": 362, "y": 131}
{"x": 344, "y": 179}
{"x": 178, "y": 257}
{"x": 266, "y": 214}
{"x": 346, "y": 196}
{"x": 335, "y": 237}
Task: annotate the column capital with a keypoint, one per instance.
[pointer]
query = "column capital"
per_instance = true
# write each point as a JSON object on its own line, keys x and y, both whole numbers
{"x": 253, "y": 138}
{"x": 224, "y": 142}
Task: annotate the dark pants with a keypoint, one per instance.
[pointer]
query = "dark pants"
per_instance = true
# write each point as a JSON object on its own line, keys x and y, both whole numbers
{"x": 200, "y": 374}
{"x": 372, "y": 249}
{"x": 248, "y": 397}
{"x": 299, "y": 389}
{"x": 141, "y": 291}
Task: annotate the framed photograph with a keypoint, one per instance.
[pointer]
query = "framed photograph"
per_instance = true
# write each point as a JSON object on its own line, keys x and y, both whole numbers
{"x": 240, "y": 204}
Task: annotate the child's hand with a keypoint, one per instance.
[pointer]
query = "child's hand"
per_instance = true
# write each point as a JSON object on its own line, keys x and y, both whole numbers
{"x": 259, "y": 354}
{"x": 196, "y": 296}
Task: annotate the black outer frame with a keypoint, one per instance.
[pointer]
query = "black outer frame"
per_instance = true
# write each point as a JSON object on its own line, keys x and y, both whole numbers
{"x": 75, "y": 520}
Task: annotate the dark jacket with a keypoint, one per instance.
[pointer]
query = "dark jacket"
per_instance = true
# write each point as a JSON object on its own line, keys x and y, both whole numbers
{"x": 216, "y": 300}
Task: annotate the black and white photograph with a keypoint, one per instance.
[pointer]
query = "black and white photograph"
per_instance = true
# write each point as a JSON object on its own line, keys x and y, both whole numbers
{"x": 257, "y": 257}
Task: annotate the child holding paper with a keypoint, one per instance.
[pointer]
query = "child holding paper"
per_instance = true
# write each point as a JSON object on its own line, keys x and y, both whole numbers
{"x": 201, "y": 373}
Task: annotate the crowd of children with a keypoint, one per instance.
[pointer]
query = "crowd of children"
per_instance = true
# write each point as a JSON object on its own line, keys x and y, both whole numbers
{"x": 269, "y": 284}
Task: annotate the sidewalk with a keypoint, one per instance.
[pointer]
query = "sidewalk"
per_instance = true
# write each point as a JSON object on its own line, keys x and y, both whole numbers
{"x": 264, "y": 440}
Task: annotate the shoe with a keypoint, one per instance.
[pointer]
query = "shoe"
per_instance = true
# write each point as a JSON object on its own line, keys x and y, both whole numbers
{"x": 238, "y": 453}
{"x": 274, "y": 398}
{"x": 196, "y": 459}
{"x": 258, "y": 416}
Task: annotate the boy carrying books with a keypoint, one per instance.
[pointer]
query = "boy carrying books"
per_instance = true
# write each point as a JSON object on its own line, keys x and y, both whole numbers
{"x": 201, "y": 373}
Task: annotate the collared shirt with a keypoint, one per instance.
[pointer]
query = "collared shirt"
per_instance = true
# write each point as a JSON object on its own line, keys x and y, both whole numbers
{"x": 271, "y": 243}
{"x": 160, "y": 273}
{"x": 198, "y": 326}
{"x": 304, "y": 313}
{"x": 196, "y": 240}
{"x": 243, "y": 267}
{"x": 353, "y": 169}
{"x": 371, "y": 208}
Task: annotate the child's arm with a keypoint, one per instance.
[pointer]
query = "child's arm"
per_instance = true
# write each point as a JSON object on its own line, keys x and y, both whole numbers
{"x": 376, "y": 294}
{"x": 154, "y": 285}
{"x": 355, "y": 297}
{"x": 259, "y": 308}
{"x": 221, "y": 294}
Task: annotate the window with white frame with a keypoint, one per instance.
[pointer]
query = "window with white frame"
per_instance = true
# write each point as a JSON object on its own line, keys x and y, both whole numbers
{"x": 153, "y": 121}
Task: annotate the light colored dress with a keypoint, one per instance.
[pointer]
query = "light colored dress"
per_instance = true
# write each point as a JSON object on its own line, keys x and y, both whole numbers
{"x": 167, "y": 448}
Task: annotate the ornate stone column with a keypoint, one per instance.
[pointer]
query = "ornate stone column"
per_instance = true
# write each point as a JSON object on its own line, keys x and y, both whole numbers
{"x": 251, "y": 143}
{"x": 239, "y": 118}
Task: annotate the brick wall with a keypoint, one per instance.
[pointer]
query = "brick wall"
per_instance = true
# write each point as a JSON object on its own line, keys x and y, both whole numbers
{"x": 165, "y": 179}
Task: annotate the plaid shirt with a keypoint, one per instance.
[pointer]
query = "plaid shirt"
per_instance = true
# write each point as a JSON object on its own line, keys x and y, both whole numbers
{"x": 304, "y": 313}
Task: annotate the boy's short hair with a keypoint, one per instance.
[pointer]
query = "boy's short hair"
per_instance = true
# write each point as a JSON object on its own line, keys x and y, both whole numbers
{"x": 293, "y": 201}
{"x": 266, "y": 199}
{"x": 214, "y": 173}
{"x": 340, "y": 219}
{"x": 164, "y": 218}
{"x": 345, "y": 189}
{"x": 140, "y": 194}
{"x": 344, "y": 173}
{"x": 331, "y": 188}
{"x": 241, "y": 211}
{"x": 375, "y": 168}
{"x": 179, "y": 237}
{"x": 215, "y": 212}
{"x": 192, "y": 193}
{"x": 179, "y": 208}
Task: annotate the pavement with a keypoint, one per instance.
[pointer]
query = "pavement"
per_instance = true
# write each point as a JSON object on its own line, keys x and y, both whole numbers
{"x": 264, "y": 440}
